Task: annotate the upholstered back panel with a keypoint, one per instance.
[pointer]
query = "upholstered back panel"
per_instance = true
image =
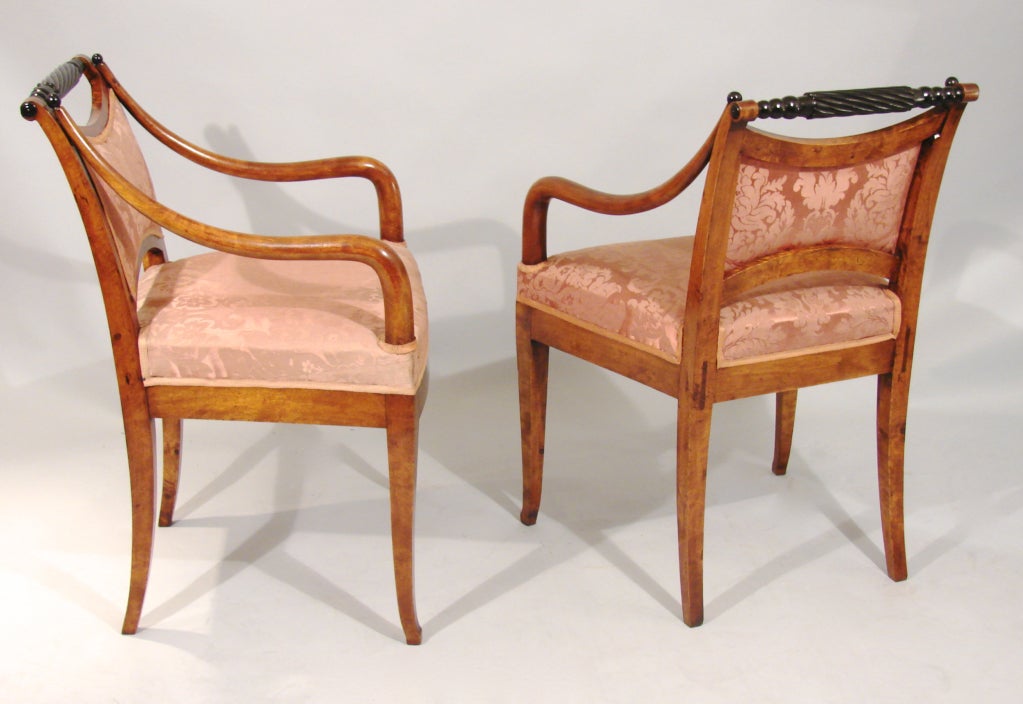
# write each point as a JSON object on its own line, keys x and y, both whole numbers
{"x": 779, "y": 207}
{"x": 117, "y": 144}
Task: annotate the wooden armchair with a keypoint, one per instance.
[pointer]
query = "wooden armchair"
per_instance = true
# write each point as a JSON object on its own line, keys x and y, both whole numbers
{"x": 312, "y": 329}
{"x": 805, "y": 268}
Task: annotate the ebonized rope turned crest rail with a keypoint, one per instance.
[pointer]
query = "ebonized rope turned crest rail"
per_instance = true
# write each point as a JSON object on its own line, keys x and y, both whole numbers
{"x": 57, "y": 85}
{"x": 858, "y": 101}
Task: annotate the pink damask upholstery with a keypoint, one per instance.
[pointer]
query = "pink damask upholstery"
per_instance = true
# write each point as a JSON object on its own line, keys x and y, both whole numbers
{"x": 636, "y": 292}
{"x": 218, "y": 319}
{"x": 117, "y": 144}
{"x": 778, "y": 208}
{"x": 807, "y": 313}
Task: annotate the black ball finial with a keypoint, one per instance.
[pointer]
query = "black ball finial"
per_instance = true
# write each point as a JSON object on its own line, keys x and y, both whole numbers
{"x": 29, "y": 110}
{"x": 97, "y": 59}
{"x": 733, "y": 99}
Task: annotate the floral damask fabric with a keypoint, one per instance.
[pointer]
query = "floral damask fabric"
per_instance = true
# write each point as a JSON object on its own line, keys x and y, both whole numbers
{"x": 219, "y": 319}
{"x": 636, "y": 292}
{"x": 778, "y": 208}
{"x": 117, "y": 144}
{"x": 810, "y": 311}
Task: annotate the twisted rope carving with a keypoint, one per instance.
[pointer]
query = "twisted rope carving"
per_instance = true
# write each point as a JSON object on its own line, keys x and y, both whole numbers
{"x": 861, "y": 101}
{"x": 55, "y": 86}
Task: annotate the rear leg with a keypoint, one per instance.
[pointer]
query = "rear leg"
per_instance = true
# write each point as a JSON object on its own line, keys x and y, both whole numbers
{"x": 785, "y": 419}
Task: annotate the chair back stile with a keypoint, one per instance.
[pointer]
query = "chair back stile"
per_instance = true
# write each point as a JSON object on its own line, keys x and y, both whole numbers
{"x": 699, "y": 330}
{"x": 916, "y": 229}
{"x": 121, "y": 240}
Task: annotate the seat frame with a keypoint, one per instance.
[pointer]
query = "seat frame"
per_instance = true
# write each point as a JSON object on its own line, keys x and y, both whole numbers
{"x": 698, "y": 380}
{"x": 141, "y": 405}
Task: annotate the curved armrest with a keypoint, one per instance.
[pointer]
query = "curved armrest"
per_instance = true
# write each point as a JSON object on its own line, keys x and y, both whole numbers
{"x": 394, "y": 278}
{"x": 383, "y": 180}
{"x": 534, "y": 213}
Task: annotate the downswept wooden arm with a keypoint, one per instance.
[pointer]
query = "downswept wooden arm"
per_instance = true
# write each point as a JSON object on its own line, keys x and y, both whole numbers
{"x": 394, "y": 280}
{"x": 538, "y": 199}
{"x": 374, "y": 171}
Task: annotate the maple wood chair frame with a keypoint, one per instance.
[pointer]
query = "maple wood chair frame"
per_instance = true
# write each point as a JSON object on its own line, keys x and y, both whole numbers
{"x": 698, "y": 381}
{"x": 141, "y": 405}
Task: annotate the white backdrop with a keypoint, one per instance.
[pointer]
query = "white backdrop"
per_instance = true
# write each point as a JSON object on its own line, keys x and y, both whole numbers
{"x": 469, "y": 102}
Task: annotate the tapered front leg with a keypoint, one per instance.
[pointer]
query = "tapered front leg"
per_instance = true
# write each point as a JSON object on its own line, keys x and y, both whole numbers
{"x": 892, "y": 405}
{"x": 691, "y": 499}
{"x": 784, "y": 422}
{"x": 402, "y": 457}
{"x": 171, "y": 469}
{"x": 140, "y": 439}
{"x": 533, "y": 364}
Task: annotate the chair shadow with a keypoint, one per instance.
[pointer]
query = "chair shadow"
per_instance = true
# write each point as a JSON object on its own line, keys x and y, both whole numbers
{"x": 45, "y": 264}
{"x": 594, "y": 429}
{"x": 473, "y": 434}
{"x": 845, "y": 529}
{"x": 260, "y": 537}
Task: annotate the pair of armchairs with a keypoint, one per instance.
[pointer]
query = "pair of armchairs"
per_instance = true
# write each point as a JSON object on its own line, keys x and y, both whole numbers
{"x": 805, "y": 268}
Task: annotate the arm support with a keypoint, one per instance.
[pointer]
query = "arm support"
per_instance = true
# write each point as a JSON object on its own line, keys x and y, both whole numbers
{"x": 534, "y": 214}
{"x": 383, "y": 180}
{"x": 394, "y": 280}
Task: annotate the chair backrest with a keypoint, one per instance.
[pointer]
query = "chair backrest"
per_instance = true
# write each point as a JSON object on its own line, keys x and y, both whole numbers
{"x": 776, "y": 206}
{"x": 119, "y": 236}
{"x": 780, "y": 206}
{"x": 112, "y": 137}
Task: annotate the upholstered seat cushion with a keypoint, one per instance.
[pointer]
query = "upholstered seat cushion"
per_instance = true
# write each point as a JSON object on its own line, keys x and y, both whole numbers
{"x": 219, "y": 319}
{"x": 636, "y": 291}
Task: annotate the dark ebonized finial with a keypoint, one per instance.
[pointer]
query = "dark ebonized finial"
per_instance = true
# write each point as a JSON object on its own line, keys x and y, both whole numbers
{"x": 952, "y": 83}
{"x": 733, "y": 98}
{"x": 97, "y": 59}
